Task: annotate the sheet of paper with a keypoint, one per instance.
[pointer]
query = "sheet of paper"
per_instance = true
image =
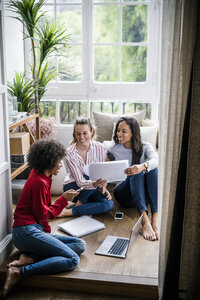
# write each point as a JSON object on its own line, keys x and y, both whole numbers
{"x": 112, "y": 171}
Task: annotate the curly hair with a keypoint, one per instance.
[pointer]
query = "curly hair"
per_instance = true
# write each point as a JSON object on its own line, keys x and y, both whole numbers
{"x": 45, "y": 154}
{"x": 136, "y": 142}
{"x": 82, "y": 121}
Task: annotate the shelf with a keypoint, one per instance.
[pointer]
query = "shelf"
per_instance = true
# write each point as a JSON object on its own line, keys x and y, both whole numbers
{"x": 23, "y": 122}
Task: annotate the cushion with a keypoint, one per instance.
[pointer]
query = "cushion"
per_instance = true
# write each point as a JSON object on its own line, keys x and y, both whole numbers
{"x": 104, "y": 123}
{"x": 58, "y": 180}
{"x": 149, "y": 134}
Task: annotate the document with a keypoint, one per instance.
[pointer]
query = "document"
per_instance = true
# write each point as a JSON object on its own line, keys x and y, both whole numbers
{"x": 81, "y": 226}
{"x": 112, "y": 171}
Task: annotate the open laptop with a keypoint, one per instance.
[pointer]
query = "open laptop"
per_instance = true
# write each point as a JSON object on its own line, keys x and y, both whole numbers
{"x": 118, "y": 246}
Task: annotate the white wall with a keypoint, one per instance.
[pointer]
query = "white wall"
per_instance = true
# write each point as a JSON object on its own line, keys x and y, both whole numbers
{"x": 14, "y": 45}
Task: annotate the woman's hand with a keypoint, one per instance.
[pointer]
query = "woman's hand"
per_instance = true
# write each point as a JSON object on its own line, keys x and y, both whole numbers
{"x": 135, "y": 169}
{"x": 70, "y": 194}
{"x": 99, "y": 183}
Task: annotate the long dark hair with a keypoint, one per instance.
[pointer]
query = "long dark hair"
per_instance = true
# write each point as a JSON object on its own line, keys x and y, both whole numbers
{"x": 136, "y": 142}
{"x": 82, "y": 121}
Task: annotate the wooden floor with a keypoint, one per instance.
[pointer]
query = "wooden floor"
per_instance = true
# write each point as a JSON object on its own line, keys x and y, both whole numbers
{"x": 135, "y": 277}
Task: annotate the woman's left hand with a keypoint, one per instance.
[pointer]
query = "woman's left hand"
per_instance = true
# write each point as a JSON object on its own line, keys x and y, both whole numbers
{"x": 135, "y": 169}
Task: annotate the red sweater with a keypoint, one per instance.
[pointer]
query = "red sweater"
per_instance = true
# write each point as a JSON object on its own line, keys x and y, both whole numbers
{"x": 34, "y": 204}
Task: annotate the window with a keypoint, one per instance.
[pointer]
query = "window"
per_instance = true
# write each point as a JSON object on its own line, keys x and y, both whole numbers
{"x": 112, "y": 62}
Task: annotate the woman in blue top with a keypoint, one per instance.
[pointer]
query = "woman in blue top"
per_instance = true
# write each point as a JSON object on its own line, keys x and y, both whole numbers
{"x": 140, "y": 186}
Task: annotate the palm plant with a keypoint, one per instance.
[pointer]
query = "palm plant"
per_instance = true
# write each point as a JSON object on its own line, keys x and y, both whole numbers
{"x": 24, "y": 90}
{"x": 46, "y": 38}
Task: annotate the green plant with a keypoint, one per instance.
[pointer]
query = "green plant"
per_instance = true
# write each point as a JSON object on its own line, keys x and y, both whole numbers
{"x": 24, "y": 90}
{"x": 46, "y": 38}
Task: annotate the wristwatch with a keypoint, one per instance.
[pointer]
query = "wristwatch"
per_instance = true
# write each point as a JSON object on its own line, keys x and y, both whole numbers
{"x": 146, "y": 164}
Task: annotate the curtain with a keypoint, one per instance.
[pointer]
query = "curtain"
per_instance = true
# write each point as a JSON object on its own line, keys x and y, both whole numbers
{"x": 177, "y": 127}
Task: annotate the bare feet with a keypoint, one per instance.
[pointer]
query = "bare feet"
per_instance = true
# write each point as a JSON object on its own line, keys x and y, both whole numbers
{"x": 78, "y": 203}
{"x": 154, "y": 224}
{"x": 22, "y": 261}
{"x": 148, "y": 232}
{"x": 13, "y": 276}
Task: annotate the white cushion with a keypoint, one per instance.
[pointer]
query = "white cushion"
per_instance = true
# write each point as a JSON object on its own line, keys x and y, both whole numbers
{"x": 57, "y": 181}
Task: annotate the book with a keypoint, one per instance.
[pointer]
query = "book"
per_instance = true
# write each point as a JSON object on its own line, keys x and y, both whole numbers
{"x": 81, "y": 226}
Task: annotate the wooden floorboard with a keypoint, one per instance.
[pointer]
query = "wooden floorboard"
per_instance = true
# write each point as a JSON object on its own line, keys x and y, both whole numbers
{"x": 135, "y": 276}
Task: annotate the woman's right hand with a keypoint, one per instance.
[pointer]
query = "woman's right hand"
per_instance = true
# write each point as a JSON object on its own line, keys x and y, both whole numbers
{"x": 99, "y": 183}
{"x": 70, "y": 194}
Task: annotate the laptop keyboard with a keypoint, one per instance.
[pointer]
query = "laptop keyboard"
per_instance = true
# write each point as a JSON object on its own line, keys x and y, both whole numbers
{"x": 118, "y": 246}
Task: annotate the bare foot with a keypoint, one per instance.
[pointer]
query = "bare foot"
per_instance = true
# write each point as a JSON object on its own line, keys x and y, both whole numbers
{"x": 78, "y": 203}
{"x": 23, "y": 260}
{"x": 154, "y": 223}
{"x": 13, "y": 276}
{"x": 70, "y": 204}
{"x": 148, "y": 232}
{"x": 65, "y": 213}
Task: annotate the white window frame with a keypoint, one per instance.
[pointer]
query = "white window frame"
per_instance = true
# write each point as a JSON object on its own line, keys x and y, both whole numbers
{"x": 88, "y": 89}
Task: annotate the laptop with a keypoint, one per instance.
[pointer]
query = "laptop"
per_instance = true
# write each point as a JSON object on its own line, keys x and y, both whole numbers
{"x": 81, "y": 226}
{"x": 118, "y": 246}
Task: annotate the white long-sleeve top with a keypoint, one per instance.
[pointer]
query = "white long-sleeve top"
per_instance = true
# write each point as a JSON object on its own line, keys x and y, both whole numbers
{"x": 148, "y": 154}
{"x": 96, "y": 153}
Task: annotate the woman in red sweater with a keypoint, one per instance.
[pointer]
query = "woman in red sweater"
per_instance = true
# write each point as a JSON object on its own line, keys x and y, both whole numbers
{"x": 41, "y": 252}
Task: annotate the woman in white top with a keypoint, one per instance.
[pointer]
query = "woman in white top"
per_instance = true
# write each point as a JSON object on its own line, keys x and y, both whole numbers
{"x": 82, "y": 152}
{"x": 140, "y": 186}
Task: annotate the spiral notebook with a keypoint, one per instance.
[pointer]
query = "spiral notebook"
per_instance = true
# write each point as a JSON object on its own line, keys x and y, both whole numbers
{"x": 81, "y": 226}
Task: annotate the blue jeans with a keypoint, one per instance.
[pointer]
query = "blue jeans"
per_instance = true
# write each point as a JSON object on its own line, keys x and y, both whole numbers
{"x": 51, "y": 253}
{"x": 139, "y": 190}
{"x": 94, "y": 202}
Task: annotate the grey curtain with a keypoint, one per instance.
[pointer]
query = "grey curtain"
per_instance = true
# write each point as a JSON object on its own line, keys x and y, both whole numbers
{"x": 180, "y": 270}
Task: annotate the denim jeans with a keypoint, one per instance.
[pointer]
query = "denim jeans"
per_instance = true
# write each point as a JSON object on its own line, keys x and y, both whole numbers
{"x": 51, "y": 253}
{"x": 94, "y": 202}
{"x": 139, "y": 190}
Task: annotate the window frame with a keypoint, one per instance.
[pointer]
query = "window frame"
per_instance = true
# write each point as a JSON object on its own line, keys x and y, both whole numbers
{"x": 88, "y": 89}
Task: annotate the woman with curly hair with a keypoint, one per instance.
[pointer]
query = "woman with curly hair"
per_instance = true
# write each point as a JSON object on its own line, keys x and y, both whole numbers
{"x": 41, "y": 252}
{"x": 140, "y": 186}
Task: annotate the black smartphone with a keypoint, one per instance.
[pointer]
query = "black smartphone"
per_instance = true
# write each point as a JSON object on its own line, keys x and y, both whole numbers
{"x": 118, "y": 215}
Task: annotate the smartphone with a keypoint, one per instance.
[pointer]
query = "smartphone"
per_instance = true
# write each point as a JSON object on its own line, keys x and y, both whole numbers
{"x": 118, "y": 215}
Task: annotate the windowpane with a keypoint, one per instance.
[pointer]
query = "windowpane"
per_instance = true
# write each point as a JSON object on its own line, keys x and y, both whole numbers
{"x": 106, "y": 63}
{"x": 106, "y": 107}
{"x": 70, "y": 64}
{"x": 135, "y": 0}
{"x": 130, "y": 107}
{"x": 106, "y": 28}
{"x": 70, "y": 110}
{"x": 71, "y": 16}
{"x": 134, "y": 63}
{"x": 69, "y": 1}
{"x": 47, "y": 108}
{"x": 105, "y": 1}
{"x": 134, "y": 27}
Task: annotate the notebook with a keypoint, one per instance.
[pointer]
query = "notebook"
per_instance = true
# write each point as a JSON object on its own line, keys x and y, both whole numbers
{"x": 81, "y": 226}
{"x": 112, "y": 171}
{"x": 118, "y": 246}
